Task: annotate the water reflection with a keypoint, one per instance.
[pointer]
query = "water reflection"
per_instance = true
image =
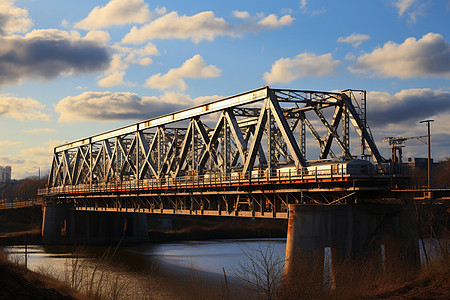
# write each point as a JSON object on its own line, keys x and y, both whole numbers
{"x": 150, "y": 271}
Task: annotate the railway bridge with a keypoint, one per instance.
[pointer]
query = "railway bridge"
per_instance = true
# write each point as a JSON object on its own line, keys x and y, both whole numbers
{"x": 266, "y": 153}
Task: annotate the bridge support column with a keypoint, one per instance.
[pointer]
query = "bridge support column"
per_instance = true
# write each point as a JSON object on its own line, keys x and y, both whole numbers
{"x": 63, "y": 225}
{"x": 352, "y": 231}
{"x": 56, "y": 223}
{"x": 305, "y": 242}
{"x": 401, "y": 248}
{"x": 305, "y": 232}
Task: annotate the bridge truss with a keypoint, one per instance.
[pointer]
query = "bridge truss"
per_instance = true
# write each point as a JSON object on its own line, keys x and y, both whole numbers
{"x": 236, "y": 146}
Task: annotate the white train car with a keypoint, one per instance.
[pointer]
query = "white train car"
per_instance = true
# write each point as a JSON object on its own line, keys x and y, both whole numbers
{"x": 350, "y": 168}
{"x": 355, "y": 167}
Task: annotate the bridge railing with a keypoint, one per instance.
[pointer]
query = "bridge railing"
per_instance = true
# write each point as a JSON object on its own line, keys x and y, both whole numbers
{"x": 213, "y": 179}
{"x": 21, "y": 203}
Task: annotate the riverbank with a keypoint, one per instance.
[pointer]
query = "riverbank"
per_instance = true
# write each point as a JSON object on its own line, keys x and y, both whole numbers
{"x": 140, "y": 263}
{"x": 187, "y": 228}
{"x": 19, "y": 226}
{"x": 17, "y": 282}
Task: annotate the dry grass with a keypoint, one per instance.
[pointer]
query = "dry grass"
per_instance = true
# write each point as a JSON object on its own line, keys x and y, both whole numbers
{"x": 93, "y": 278}
{"x": 17, "y": 282}
{"x": 368, "y": 278}
{"x": 305, "y": 280}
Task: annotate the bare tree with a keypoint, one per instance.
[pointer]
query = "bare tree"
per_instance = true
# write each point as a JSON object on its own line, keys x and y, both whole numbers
{"x": 262, "y": 270}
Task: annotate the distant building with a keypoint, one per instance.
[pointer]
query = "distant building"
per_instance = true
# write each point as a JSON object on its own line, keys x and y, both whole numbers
{"x": 5, "y": 174}
{"x": 417, "y": 163}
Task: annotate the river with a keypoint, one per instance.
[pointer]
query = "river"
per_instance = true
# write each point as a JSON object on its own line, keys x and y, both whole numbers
{"x": 183, "y": 270}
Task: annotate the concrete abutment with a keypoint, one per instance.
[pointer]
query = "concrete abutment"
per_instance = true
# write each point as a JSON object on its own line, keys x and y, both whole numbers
{"x": 63, "y": 225}
{"x": 352, "y": 231}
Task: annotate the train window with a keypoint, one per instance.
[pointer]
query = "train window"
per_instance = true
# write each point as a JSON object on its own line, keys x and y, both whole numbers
{"x": 363, "y": 169}
{"x": 334, "y": 169}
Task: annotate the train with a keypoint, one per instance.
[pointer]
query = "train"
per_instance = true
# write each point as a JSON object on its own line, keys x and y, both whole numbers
{"x": 356, "y": 167}
{"x": 349, "y": 168}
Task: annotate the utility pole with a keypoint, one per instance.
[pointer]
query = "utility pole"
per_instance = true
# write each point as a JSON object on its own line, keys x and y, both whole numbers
{"x": 429, "y": 149}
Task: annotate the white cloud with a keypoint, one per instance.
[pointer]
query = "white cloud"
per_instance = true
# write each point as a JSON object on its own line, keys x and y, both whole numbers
{"x": 46, "y": 54}
{"x": 29, "y": 160}
{"x": 429, "y": 56}
{"x": 206, "y": 99}
{"x": 272, "y": 21}
{"x": 116, "y": 12}
{"x": 355, "y": 39}
{"x": 350, "y": 57}
{"x": 202, "y": 26}
{"x": 318, "y": 12}
{"x": 22, "y": 109}
{"x": 287, "y": 11}
{"x": 107, "y": 106}
{"x": 305, "y": 10}
{"x": 413, "y": 8}
{"x": 303, "y": 4}
{"x": 13, "y": 19}
{"x": 65, "y": 23}
{"x": 194, "y": 67}
{"x": 7, "y": 143}
{"x": 145, "y": 61}
{"x": 303, "y": 65}
{"x": 39, "y": 130}
{"x": 141, "y": 55}
{"x": 399, "y": 115}
{"x": 113, "y": 79}
{"x": 161, "y": 11}
{"x": 98, "y": 36}
{"x": 117, "y": 63}
{"x": 403, "y": 5}
{"x": 407, "y": 106}
{"x": 241, "y": 14}
{"x": 114, "y": 76}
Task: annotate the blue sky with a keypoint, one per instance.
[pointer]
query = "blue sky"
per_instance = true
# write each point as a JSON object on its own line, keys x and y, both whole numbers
{"x": 71, "y": 69}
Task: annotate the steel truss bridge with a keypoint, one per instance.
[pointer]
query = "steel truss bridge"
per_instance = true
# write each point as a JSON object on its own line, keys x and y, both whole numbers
{"x": 243, "y": 155}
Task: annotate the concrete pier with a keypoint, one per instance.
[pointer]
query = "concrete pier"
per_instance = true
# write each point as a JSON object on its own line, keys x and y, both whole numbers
{"x": 63, "y": 225}
{"x": 352, "y": 231}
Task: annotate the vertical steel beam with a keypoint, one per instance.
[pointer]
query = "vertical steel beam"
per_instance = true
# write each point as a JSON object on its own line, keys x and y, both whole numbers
{"x": 256, "y": 141}
{"x": 184, "y": 149}
{"x": 270, "y": 140}
{"x": 302, "y": 138}
{"x": 241, "y": 143}
{"x": 332, "y": 134}
{"x": 225, "y": 147}
{"x": 362, "y": 130}
{"x": 286, "y": 133}
{"x": 346, "y": 131}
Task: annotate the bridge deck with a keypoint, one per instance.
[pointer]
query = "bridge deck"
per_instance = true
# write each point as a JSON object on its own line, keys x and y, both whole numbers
{"x": 213, "y": 181}
{"x": 210, "y": 195}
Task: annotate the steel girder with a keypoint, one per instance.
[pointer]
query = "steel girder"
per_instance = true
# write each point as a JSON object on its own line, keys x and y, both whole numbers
{"x": 263, "y": 128}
